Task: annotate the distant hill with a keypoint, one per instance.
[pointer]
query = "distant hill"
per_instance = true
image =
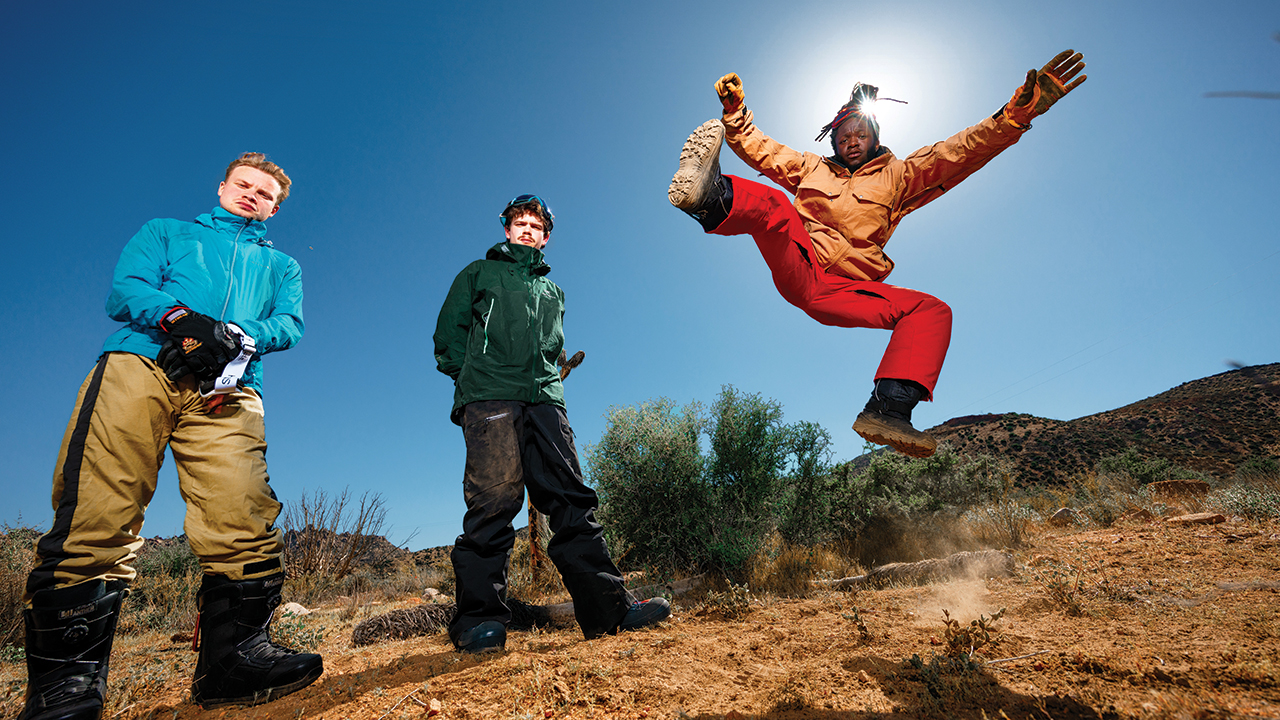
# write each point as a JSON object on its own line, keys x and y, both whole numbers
{"x": 1211, "y": 425}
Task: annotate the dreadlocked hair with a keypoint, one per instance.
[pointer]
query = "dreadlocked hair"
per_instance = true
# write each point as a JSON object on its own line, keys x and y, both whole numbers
{"x": 862, "y": 96}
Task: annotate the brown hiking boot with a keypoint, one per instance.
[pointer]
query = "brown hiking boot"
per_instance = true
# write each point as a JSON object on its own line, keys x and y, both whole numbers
{"x": 897, "y": 434}
{"x": 698, "y": 188}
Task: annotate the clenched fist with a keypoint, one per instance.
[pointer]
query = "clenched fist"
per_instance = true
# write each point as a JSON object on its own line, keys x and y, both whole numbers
{"x": 729, "y": 88}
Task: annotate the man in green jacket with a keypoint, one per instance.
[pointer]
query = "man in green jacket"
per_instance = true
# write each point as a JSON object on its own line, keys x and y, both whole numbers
{"x": 498, "y": 336}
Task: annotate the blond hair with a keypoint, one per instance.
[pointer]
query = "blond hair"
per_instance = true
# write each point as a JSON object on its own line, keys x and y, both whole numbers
{"x": 259, "y": 161}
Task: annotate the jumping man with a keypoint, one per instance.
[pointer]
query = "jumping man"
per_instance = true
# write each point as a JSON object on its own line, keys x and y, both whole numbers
{"x": 825, "y": 249}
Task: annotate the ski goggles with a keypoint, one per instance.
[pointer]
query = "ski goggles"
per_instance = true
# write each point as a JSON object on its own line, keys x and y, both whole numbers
{"x": 541, "y": 204}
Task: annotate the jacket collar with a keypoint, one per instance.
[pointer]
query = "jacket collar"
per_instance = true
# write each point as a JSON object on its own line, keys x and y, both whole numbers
{"x": 224, "y": 222}
{"x": 526, "y": 257}
{"x": 882, "y": 158}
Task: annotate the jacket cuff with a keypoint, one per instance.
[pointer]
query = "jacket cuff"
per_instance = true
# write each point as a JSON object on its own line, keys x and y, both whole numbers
{"x": 737, "y": 121}
{"x": 1002, "y": 115}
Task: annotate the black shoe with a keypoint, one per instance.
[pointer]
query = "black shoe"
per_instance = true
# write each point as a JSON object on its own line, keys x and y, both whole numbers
{"x": 886, "y": 420}
{"x": 238, "y": 663}
{"x": 645, "y": 613}
{"x": 69, "y": 633}
{"x": 488, "y": 636}
{"x": 698, "y": 188}
{"x": 896, "y": 433}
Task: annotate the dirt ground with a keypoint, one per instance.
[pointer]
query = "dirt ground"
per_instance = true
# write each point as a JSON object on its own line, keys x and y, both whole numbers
{"x": 1134, "y": 621}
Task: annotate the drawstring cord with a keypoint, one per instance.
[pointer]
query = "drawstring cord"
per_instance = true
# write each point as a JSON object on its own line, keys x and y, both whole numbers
{"x": 486, "y": 326}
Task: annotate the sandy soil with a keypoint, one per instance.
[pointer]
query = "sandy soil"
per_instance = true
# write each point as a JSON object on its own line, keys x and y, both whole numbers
{"x": 1143, "y": 621}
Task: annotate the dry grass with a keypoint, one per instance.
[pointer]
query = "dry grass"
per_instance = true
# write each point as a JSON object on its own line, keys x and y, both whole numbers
{"x": 17, "y": 557}
{"x": 789, "y": 570}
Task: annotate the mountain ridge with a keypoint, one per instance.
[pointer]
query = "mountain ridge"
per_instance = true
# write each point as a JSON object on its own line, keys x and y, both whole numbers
{"x": 1209, "y": 425}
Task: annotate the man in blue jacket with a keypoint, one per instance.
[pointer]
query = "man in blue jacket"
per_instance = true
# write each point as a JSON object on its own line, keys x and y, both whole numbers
{"x": 201, "y": 302}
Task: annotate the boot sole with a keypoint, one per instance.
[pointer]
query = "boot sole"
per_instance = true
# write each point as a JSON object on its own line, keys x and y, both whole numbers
{"x": 916, "y": 444}
{"x": 699, "y": 166}
{"x": 265, "y": 696}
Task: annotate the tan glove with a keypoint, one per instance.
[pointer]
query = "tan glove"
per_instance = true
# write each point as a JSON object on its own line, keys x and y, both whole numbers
{"x": 567, "y": 366}
{"x": 1044, "y": 88}
{"x": 729, "y": 88}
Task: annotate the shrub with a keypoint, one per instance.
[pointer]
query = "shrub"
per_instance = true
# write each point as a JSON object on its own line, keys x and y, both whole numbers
{"x": 17, "y": 558}
{"x": 1132, "y": 466}
{"x": 648, "y": 468}
{"x": 784, "y": 569}
{"x": 808, "y": 492}
{"x": 1255, "y": 502}
{"x": 749, "y": 447}
{"x": 322, "y": 538}
{"x": 174, "y": 558}
{"x": 1258, "y": 469}
{"x": 667, "y": 504}
{"x": 902, "y": 508}
{"x": 1103, "y": 498}
{"x": 160, "y": 602}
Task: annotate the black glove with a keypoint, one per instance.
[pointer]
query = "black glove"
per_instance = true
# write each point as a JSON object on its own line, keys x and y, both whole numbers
{"x": 197, "y": 344}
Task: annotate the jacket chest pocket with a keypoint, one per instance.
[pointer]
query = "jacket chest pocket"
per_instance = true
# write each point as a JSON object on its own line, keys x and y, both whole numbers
{"x": 856, "y": 208}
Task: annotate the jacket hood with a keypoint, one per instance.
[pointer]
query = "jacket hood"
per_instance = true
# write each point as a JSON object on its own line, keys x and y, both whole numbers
{"x": 522, "y": 255}
{"x": 222, "y": 221}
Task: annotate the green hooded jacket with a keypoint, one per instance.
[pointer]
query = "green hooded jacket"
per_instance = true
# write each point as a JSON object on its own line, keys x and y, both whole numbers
{"x": 501, "y": 330}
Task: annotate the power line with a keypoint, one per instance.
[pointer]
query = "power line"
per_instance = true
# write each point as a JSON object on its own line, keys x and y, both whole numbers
{"x": 1144, "y": 322}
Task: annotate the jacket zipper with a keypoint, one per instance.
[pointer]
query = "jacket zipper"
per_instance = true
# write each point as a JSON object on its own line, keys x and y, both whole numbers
{"x": 231, "y": 273}
{"x": 485, "y": 349}
{"x": 537, "y": 340}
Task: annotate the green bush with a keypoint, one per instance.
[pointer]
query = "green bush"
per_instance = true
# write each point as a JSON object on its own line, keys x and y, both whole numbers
{"x": 647, "y": 469}
{"x": 1254, "y": 502}
{"x": 748, "y": 451}
{"x": 902, "y": 508}
{"x": 683, "y": 489}
{"x": 1144, "y": 471}
{"x": 1258, "y": 469}
{"x": 174, "y": 559}
{"x": 807, "y": 493}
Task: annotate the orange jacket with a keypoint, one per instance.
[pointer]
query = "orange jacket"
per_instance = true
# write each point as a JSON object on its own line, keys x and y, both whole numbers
{"x": 851, "y": 216}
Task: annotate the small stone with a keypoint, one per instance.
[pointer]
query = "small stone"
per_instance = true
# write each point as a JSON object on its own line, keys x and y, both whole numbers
{"x": 1197, "y": 519}
{"x": 433, "y": 708}
{"x": 430, "y": 593}
{"x": 1063, "y": 518}
{"x": 294, "y": 609}
{"x": 1141, "y": 515}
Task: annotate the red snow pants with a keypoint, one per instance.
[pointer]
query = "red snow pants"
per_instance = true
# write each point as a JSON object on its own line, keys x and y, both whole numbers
{"x": 921, "y": 323}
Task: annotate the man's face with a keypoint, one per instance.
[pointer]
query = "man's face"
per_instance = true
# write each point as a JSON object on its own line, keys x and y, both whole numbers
{"x": 249, "y": 193}
{"x": 528, "y": 230}
{"x": 855, "y": 142}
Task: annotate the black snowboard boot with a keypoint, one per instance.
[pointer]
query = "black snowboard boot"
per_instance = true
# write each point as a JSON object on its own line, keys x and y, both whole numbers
{"x": 238, "y": 663}
{"x": 69, "y": 633}
{"x": 887, "y": 418}
{"x": 698, "y": 188}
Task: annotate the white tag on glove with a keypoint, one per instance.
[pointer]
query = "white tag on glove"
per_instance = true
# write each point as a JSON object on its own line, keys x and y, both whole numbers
{"x": 234, "y": 370}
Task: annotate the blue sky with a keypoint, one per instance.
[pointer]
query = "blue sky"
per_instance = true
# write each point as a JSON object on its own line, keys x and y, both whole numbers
{"x": 1126, "y": 245}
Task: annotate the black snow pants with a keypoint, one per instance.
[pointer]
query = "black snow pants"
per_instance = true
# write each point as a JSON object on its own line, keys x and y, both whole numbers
{"x": 512, "y": 446}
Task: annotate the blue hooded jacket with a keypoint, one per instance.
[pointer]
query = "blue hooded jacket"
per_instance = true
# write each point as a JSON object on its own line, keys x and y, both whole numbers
{"x": 221, "y": 265}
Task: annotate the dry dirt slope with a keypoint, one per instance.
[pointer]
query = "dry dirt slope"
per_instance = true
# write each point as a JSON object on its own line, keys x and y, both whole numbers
{"x": 1141, "y": 621}
{"x": 1211, "y": 425}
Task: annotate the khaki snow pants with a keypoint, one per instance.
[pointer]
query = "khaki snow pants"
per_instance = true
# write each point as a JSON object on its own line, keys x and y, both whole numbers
{"x": 126, "y": 414}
